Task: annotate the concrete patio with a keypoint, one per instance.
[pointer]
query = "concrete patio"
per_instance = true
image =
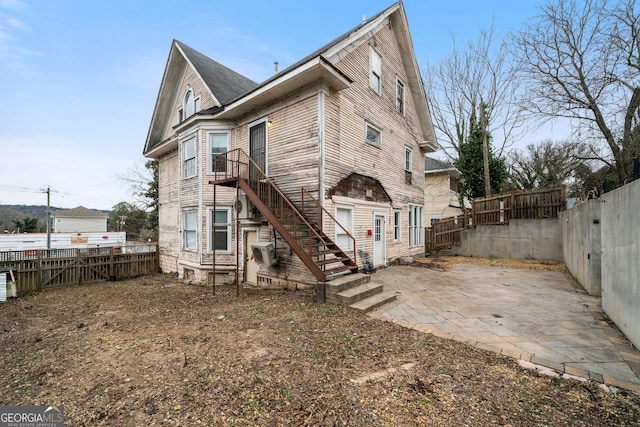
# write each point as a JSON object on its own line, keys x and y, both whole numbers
{"x": 542, "y": 318}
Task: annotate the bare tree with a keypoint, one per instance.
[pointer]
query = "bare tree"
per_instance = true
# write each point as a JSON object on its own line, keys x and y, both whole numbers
{"x": 547, "y": 164}
{"x": 581, "y": 61}
{"x": 477, "y": 81}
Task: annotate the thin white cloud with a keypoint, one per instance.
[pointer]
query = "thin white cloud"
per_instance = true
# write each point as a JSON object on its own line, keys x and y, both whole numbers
{"x": 14, "y": 4}
{"x": 17, "y": 24}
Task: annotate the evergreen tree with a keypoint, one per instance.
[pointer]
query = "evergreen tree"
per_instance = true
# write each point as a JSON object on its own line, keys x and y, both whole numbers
{"x": 151, "y": 194}
{"x": 470, "y": 163}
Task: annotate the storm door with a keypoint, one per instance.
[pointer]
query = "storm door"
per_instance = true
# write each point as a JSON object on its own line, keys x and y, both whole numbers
{"x": 258, "y": 148}
{"x": 379, "y": 244}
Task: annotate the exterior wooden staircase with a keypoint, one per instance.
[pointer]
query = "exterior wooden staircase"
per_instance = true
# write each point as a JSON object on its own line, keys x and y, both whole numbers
{"x": 298, "y": 226}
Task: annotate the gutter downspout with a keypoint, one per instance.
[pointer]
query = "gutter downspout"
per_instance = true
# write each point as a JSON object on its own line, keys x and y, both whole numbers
{"x": 321, "y": 151}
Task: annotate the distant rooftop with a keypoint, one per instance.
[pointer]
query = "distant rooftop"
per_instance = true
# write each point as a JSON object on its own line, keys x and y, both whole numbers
{"x": 432, "y": 165}
{"x": 79, "y": 212}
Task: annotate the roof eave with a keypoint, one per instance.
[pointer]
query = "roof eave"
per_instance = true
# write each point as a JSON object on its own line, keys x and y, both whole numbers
{"x": 317, "y": 69}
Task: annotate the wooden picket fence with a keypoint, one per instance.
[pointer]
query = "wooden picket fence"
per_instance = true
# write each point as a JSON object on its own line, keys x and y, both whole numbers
{"x": 496, "y": 210}
{"x": 34, "y": 270}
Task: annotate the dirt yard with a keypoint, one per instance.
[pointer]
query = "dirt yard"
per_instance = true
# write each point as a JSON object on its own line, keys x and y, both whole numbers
{"x": 154, "y": 351}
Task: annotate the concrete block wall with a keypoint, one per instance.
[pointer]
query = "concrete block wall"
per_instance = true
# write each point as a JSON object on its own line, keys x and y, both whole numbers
{"x": 621, "y": 258}
{"x": 581, "y": 231}
{"x": 520, "y": 239}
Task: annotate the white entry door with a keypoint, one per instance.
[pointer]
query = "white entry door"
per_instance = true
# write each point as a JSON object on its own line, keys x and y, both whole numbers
{"x": 250, "y": 266}
{"x": 379, "y": 246}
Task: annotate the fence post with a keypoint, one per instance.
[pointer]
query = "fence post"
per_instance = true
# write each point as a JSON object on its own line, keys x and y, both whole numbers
{"x": 39, "y": 282}
{"x": 78, "y": 269}
{"x": 112, "y": 274}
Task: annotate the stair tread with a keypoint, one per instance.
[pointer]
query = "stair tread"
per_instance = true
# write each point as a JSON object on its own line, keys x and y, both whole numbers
{"x": 374, "y": 301}
{"x": 359, "y": 289}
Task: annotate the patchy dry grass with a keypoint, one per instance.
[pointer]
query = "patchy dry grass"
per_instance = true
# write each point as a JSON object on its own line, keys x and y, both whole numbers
{"x": 154, "y": 351}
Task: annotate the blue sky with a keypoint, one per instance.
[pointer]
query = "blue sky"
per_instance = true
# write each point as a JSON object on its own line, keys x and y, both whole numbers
{"x": 79, "y": 78}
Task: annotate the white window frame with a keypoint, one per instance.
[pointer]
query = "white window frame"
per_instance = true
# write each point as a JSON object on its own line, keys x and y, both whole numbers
{"x": 189, "y": 164}
{"x": 349, "y": 227}
{"x": 210, "y": 165}
{"x": 196, "y": 105}
{"x": 408, "y": 159}
{"x": 397, "y": 213}
{"x": 188, "y": 103}
{"x": 375, "y": 71}
{"x": 190, "y": 235}
{"x": 400, "y": 96}
{"x": 415, "y": 225}
{"x": 376, "y": 130}
{"x": 212, "y": 225}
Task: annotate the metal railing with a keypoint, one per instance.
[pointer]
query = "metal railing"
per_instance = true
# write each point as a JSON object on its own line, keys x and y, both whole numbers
{"x": 295, "y": 222}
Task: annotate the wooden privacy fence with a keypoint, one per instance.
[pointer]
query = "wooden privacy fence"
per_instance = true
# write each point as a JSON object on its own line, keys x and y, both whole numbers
{"x": 525, "y": 204}
{"x": 38, "y": 269}
{"x": 495, "y": 210}
{"x": 446, "y": 231}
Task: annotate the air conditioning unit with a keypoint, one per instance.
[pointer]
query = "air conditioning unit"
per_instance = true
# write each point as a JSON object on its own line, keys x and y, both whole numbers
{"x": 264, "y": 253}
{"x": 244, "y": 207}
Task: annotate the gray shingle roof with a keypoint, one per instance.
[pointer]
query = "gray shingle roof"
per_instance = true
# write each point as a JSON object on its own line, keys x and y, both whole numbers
{"x": 225, "y": 83}
{"x": 432, "y": 165}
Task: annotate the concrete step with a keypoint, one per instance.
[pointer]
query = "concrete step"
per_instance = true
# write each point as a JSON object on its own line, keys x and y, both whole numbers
{"x": 347, "y": 281}
{"x": 374, "y": 301}
{"x": 358, "y": 293}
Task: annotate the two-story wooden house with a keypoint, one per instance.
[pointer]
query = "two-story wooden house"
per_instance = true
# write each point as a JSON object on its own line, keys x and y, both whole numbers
{"x": 320, "y": 167}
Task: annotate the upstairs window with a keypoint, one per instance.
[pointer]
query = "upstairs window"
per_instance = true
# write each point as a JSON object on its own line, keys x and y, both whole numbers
{"x": 400, "y": 96}
{"x": 374, "y": 135}
{"x": 218, "y": 143}
{"x": 375, "y": 73}
{"x": 189, "y": 158}
{"x": 408, "y": 157}
{"x": 188, "y": 104}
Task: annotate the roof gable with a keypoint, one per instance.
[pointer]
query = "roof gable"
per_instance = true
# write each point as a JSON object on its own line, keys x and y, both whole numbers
{"x": 238, "y": 95}
{"x": 223, "y": 84}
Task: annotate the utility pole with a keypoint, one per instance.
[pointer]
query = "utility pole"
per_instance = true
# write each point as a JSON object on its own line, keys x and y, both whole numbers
{"x": 485, "y": 150}
{"x": 48, "y": 217}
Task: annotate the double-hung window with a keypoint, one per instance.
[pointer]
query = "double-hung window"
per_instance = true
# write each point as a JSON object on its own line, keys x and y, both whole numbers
{"x": 407, "y": 159}
{"x": 344, "y": 216}
{"x": 218, "y": 143}
{"x": 375, "y": 70}
{"x": 189, "y": 232}
{"x": 189, "y": 158}
{"x": 396, "y": 225}
{"x": 220, "y": 229}
{"x": 399, "y": 96}
{"x": 416, "y": 237}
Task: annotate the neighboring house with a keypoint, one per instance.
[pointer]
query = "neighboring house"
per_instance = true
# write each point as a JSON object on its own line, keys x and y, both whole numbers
{"x": 79, "y": 220}
{"x": 441, "y": 197}
{"x": 349, "y": 124}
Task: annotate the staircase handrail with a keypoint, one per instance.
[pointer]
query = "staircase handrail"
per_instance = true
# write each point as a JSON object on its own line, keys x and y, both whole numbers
{"x": 237, "y": 153}
{"x": 323, "y": 209}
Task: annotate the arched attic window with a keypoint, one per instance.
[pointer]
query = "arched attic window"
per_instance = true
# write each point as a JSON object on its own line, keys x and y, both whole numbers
{"x": 188, "y": 104}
